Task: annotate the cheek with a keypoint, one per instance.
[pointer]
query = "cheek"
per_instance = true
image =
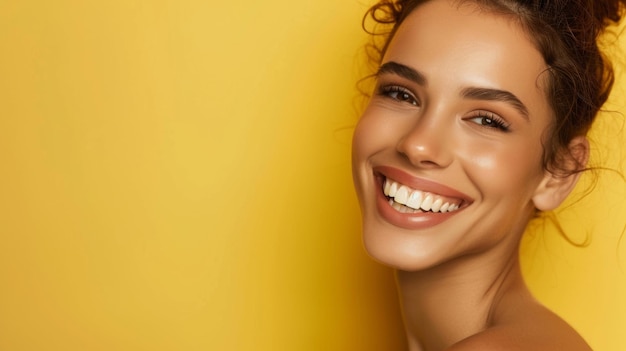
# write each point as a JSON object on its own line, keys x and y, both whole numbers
{"x": 512, "y": 168}
{"x": 372, "y": 134}
{"x": 364, "y": 143}
{"x": 359, "y": 145}
{"x": 487, "y": 162}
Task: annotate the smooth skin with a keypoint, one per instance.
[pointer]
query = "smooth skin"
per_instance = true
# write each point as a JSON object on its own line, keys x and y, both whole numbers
{"x": 460, "y": 102}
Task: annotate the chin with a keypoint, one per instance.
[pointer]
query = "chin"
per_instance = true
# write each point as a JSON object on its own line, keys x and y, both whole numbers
{"x": 399, "y": 248}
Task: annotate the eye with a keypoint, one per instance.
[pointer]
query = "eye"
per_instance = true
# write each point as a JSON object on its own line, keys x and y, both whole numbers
{"x": 489, "y": 120}
{"x": 398, "y": 93}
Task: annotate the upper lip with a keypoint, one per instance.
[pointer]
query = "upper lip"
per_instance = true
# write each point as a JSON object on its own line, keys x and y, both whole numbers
{"x": 421, "y": 184}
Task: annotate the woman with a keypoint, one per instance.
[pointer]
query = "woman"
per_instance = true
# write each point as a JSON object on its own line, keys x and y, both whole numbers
{"x": 477, "y": 122}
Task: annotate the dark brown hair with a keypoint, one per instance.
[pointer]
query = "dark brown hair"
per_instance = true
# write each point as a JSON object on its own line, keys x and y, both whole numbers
{"x": 566, "y": 32}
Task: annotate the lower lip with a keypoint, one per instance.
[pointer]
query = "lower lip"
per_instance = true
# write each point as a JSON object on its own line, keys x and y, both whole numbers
{"x": 419, "y": 220}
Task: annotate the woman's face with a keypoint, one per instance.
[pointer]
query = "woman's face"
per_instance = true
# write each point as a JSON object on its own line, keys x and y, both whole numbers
{"x": 454, "y": 128}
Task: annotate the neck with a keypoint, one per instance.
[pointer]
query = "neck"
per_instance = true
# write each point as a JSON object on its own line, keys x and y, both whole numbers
{"x": 447, "y": 303}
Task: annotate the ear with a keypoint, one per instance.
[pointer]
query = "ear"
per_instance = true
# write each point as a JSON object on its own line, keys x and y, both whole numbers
{"x": 555, "y": 187}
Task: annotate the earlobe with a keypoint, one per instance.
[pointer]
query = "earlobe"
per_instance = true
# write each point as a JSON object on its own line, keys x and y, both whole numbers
{"x": 556, "y": 186}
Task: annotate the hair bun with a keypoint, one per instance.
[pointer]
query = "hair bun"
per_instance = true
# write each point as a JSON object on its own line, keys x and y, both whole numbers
{"x": 583, "y": 18}
{"x": 607, "y": 12}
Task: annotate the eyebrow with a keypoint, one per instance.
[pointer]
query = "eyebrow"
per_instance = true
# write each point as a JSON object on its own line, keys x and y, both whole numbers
{"x": 487, "y": 94}
{"x": 403, "y": 71}
{"x": 476, "y": 93}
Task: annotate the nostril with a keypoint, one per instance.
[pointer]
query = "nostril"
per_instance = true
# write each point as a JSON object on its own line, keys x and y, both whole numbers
{"x": 420, "y": 160}
{"x": 424, "y": 152}
{"x": 428, "y": 163}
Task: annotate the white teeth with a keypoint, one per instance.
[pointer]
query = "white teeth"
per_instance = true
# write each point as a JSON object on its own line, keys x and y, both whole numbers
{"x": 436, "y": 205}
{"x": 402, "y": 195}
{"x": 415, "y": 200}
{"x": 397, "y": 206}
{"x": 401, "y": 208}
{"x": 444, "y": 208}
{"x": 428, "y": 203}
{"x": 393, "y": 189}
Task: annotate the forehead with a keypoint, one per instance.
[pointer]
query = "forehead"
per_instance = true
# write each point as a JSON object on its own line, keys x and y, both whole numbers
{"x": 460, "y": 45}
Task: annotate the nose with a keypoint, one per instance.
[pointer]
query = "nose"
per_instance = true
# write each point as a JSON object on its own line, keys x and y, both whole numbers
{"x": 428, "y": 144}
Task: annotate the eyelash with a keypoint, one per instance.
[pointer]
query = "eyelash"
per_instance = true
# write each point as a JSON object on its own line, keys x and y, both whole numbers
{"x": 395, "y": 91}
{"x": 493, "y": 121}
{"x": 490, "y": 120}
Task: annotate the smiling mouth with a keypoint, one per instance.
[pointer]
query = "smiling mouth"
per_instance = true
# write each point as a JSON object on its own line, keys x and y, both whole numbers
{"x": 406, "y": 200}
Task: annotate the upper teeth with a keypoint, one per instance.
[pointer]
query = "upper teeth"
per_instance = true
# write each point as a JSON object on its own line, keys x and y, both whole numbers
{"x": 417, "y": 199}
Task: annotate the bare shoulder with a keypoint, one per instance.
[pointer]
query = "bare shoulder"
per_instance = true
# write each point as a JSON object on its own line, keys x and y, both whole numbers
{"x": 545, "y": 331}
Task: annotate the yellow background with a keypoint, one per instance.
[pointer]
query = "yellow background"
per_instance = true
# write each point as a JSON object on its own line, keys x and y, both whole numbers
{"x": 174, "y": 175}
